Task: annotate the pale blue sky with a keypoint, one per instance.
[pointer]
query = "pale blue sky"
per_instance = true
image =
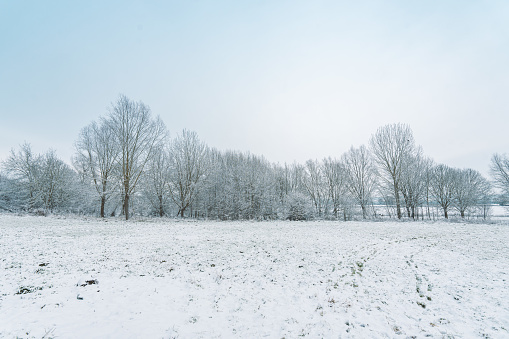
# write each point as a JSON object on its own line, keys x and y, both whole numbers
{"x": 291, "y": 80}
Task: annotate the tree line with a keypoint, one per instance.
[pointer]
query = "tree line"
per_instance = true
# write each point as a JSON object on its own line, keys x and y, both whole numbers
{"x": 126, "y": 164}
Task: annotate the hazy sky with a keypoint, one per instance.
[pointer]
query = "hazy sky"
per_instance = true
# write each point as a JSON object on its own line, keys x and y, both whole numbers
{"x": 290, "y": 80}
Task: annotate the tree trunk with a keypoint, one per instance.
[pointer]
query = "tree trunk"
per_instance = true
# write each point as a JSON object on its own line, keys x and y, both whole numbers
{"x": 126, "y": 206}
{"x": 103, "y": 202}
{"x": 445, "y": 213}
{"x": 396, "y": 197}
{"x": 161, "y": 208}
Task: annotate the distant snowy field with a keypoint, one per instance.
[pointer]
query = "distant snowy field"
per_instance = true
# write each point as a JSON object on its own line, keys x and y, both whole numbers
{"x": 159, "y": 278}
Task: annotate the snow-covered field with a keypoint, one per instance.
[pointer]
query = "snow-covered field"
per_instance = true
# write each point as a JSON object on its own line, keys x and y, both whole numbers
{"x": 159, "y": 278}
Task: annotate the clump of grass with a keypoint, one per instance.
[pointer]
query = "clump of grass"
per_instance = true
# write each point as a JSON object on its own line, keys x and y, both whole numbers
{"x": 90, "y": 282}
{"x": 28, "y": 289}
{"x": 397, "y": 330}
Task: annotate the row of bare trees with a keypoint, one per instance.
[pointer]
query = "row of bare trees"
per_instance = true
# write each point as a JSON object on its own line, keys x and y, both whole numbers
{"x": 412, "y": 180}
{"x": 126, "y": 164}
{"x": 113, "y": 153}
{"x": 129, "y": 148}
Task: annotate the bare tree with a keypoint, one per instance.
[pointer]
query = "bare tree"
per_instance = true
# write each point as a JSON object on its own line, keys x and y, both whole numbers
{"x": 361, "y": 174}
{"x": 442, "y": 186}
{"x": 157, "y": 179}
{"x": 258, "y": 186}
{"x": 281, "y": 185}
{"x": 391, "y": 146}
{"x": 187, "y": 160}
{"x": 24, "y": 167}
{"x": 470, "y": 190}
{"x": 296, "y": 175}
{"x": 427, "y": 177}
{"x": 500, "y": 171}
{"x": 414, "y": 182}
{"x": 137, "y": 134}
{"x": 335, "y": 177}
{"x": 213, "y": 187}
{"x": 96, "y": 157}
{"x": 316, "y": 187}
{"x": 232, "y": 203}
{"x": 56, "y": 182}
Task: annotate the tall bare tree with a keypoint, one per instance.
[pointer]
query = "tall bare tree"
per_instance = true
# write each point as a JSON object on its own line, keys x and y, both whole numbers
{"x": 137, "y": 134}
{"x": 427, "y": 177}
{"x": 391, "y": 145}
{"x": 414, "y": 182}
{"x": 500, "y": 171}
{"x": 316, "y": 186}
{"x": 96, "y": 158}
{"x": 442, "y": 186}
{"x": 469, "y": 190}
{"x": 361, "y": 176}
{"x": 157, "y": 179}
{"x": 336, "y": 180}
{"x": 187, "y": 160}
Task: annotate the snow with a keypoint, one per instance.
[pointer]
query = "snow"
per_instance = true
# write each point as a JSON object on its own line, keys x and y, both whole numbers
{"x": 164, "y": 278}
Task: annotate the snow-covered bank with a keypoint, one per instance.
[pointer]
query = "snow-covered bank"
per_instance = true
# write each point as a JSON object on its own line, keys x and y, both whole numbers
{"x": 90, "y": 278}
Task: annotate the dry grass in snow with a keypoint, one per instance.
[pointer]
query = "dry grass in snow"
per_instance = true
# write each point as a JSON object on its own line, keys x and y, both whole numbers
{"x": 161, "y": 278}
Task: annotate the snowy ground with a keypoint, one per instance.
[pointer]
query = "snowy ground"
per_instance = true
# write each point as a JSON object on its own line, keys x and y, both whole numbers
{"x": 88, "y": 278}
